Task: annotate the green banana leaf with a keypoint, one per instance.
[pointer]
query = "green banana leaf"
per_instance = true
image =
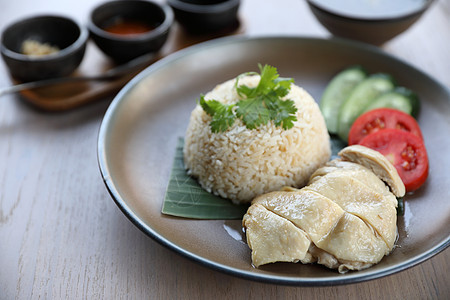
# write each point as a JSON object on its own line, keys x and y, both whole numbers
{"x": 186, "y": 198}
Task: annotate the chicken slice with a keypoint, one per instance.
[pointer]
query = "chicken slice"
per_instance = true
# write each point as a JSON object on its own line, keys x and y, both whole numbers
{"x": 273, "y": 238}
{"x": 308, "y": 210}
{"x": 353, "y": 240}
{"x": 355, "y": 197}
{"x": 377, "y": 163}
{"x": 356, "y": 171}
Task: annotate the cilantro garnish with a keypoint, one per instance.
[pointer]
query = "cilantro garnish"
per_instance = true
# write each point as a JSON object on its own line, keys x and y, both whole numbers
{"x": 257, "y": 106}
{"x": 222, "y": 114}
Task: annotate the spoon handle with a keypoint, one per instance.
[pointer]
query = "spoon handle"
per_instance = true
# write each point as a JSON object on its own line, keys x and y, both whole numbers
{"x": 113, "y": 73}
{"x": 47, "y": 82}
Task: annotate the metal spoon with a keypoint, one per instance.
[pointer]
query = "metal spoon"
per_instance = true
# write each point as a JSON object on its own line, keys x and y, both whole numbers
{"x": 108, "y": 75}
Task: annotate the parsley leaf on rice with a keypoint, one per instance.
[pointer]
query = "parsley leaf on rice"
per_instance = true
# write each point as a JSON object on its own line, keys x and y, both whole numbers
{"x": 257, "y": 106}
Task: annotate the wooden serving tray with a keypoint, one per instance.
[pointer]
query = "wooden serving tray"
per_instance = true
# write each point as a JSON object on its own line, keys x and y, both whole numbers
{"x": 66, "y": 96}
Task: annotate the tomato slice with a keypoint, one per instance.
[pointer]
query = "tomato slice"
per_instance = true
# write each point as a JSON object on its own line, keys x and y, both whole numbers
{"x": 382, "y": 118}
{"x": 405, "y": 150}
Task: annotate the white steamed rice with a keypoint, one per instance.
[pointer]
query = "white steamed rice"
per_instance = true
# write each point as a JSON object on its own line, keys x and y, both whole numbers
{"x": 240, "y": 164}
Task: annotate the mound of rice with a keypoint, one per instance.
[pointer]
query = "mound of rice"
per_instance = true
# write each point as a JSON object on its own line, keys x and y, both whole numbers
{"x": 240, "y": 163}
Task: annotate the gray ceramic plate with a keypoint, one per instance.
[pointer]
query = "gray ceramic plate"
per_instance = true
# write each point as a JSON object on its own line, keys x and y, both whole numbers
{"x": 139, "y": 132}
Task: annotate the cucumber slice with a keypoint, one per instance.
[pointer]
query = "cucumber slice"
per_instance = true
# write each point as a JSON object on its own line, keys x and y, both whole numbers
{"x": 400, "y": 98}
{"x": 337, "y": 91}
{"x": 361, "y": 96}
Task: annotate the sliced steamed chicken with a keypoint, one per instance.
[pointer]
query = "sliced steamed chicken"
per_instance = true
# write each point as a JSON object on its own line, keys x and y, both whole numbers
{"x": 345, "y": 218}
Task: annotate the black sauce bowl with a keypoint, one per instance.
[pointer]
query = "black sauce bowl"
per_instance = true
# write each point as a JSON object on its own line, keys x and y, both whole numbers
{"x": 205, "y": 16}
{"x": 122, "y": 48}
{"x": 58, "y": 31}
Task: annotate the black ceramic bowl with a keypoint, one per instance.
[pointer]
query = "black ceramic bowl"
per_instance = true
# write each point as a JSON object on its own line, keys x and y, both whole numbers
{"x": 375, "y": 25}
{"x": 58, "y": 31}
{"x": 205, "y": 16}
{"x": 123, "y": 47}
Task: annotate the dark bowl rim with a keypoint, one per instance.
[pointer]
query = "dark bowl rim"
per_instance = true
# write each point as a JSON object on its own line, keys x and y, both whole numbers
{"x": 354, "y": 18}
{"x": 158, "y": 31}
{"x": 79, "y": 43}
{"x": 222, "y": 6}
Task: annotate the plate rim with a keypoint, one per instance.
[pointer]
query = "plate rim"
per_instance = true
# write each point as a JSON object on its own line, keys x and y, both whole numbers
{"x": 274, "y": 279}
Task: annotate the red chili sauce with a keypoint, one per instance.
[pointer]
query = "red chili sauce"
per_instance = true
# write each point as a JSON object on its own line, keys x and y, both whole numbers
{"x": 128, "y": 27}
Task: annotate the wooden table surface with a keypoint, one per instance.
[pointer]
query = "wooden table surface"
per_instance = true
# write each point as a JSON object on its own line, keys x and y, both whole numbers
{"x": 61, "y": 235}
